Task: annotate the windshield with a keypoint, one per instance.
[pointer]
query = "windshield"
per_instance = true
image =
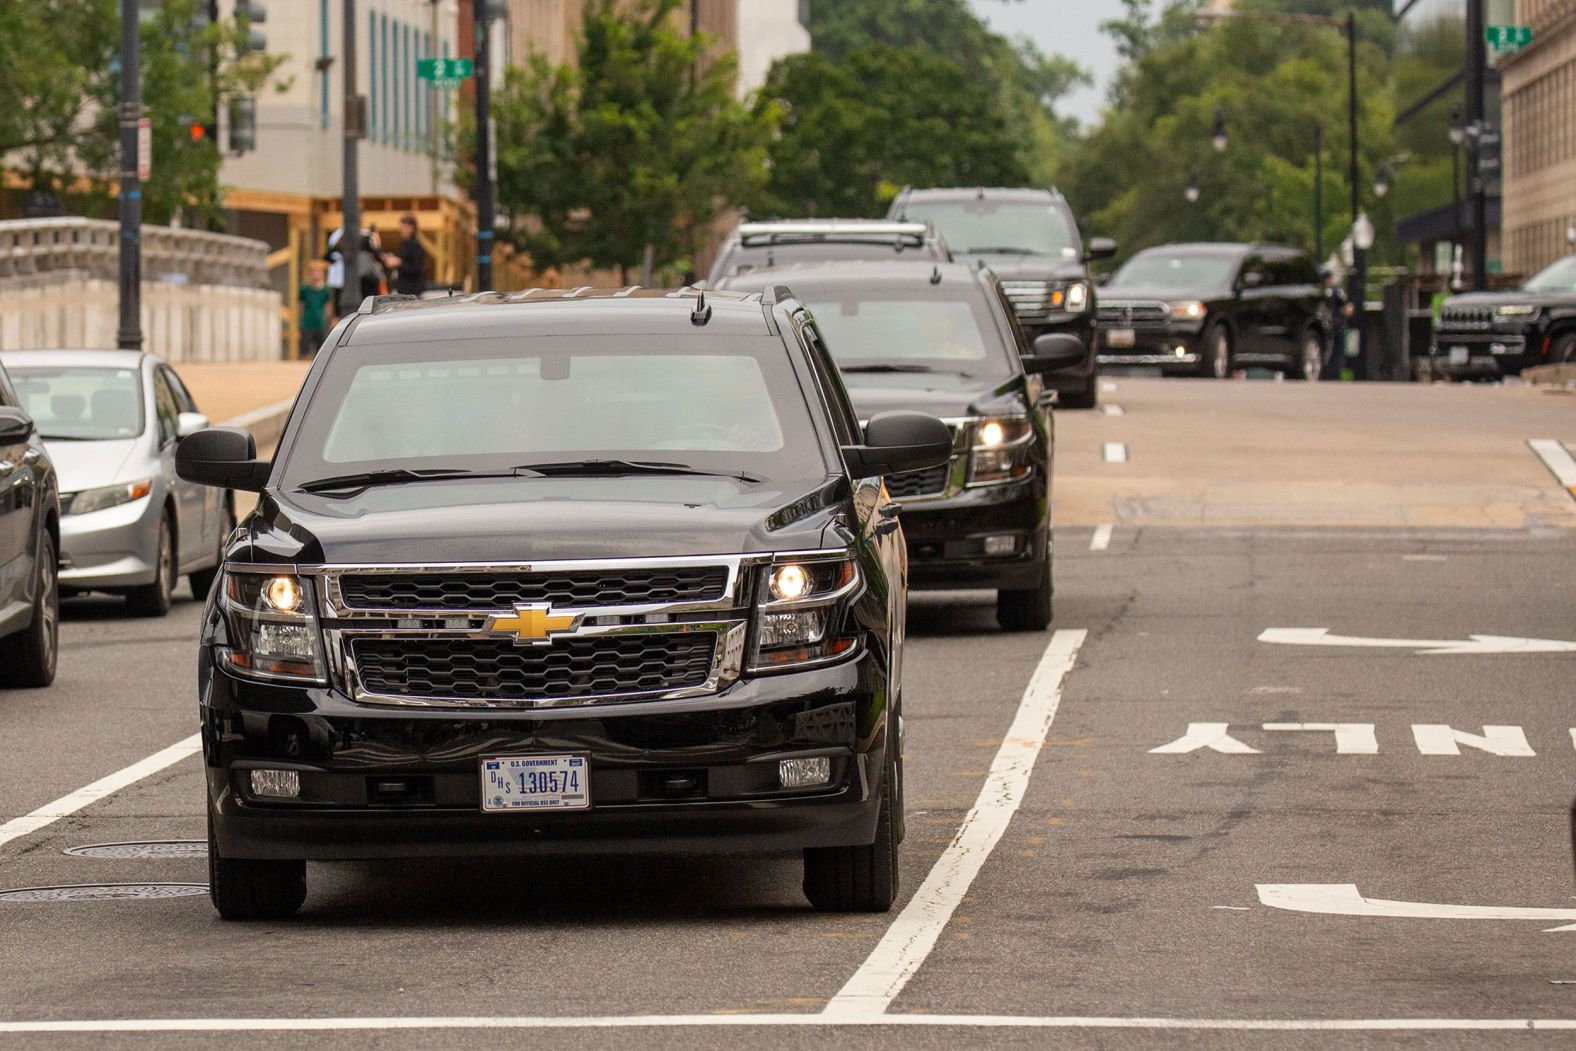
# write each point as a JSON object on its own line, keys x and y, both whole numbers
{"x": 494, "y": 405}
{"x": 1559, "y": 276}
{"x": 81, "y": 404}
{"x": 981, "y": 227}
{"x": 1178, "y": 271}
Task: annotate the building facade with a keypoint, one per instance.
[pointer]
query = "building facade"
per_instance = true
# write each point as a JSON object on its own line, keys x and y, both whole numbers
{"x": 1539, "y": 91}
{"x": 768, "y": 30}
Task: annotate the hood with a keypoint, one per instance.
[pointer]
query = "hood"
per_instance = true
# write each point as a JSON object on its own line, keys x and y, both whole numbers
{"x": 1012, "y": 267}
{"x": 1508, "y": 298}
{"x": 536, "y": 519}
{"x": 90, "y": 465}
{"x": 940, "y": 394}
{"x": 1141, "y": 293}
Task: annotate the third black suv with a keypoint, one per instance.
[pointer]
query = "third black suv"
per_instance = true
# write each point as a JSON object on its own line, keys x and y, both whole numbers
{"x": 1030, "y": 239}
{"x": 1482, "y": 335}
{"x": 1208, "y": 309}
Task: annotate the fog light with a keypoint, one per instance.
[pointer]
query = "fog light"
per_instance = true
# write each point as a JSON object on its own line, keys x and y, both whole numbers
{"x": 1180, "y": 351}
{"x": 805, "y": 773}
{"x": 278, "y": 784}
{"x": 1002, "y": 544}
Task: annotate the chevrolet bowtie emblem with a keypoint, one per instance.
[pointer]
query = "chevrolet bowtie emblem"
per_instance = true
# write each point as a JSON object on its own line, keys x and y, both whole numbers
{"x": 533, "y": 624}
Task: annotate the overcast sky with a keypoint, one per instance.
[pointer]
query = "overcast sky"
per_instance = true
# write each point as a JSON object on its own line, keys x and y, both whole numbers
{"x": 1067, "y": 27}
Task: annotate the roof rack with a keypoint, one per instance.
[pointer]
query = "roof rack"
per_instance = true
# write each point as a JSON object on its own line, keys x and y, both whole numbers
{"x": 832, "y": 230}
{"x": 371, "y": 304}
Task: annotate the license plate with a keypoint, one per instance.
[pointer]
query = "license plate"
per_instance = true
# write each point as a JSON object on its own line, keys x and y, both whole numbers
{"x": 1121, "y": 338}
{"x": 1460, "y": 355}
{"x": 536, "y": 782}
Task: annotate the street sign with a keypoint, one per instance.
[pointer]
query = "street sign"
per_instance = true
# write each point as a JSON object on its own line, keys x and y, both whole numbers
{"x": 1507, "y": 38}
{"x": 444, "y": 69}
{"x": 144, "y": 149}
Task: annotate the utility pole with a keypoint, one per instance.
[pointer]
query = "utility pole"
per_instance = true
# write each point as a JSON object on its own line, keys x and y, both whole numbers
{"x": 484, "y": 147}
{"x": 1318, "y": 193}
{"x": 129, "y": 336}
{"x": 1477, "y": 72}
{"x": 350, "y": 189}
{"x": 1359, "y": 281}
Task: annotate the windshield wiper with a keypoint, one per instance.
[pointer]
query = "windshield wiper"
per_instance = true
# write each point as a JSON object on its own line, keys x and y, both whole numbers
{"x": 1003, "y": 250}
{"x": 886, "y": 366}
{"x": 587, "y": 468}
{"x": 395, "y": 476}
{"x": 71, "y": 438}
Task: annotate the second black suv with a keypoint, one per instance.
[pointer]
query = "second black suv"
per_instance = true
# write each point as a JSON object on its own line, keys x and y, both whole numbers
{"x": 1208, "y": 309}
{"x": 779, "y": 242}
{"x": 29, "y": 549}
{"x": 1482, "y": 335}
{"x": 561, "y": 572}
{"x": 1030, "y": 239}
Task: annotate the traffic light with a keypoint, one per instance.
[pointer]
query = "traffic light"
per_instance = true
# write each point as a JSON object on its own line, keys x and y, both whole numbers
{"x": 250, "y": 14}
{"x": 243, "y": 124}
{"x": 197, "y": 131}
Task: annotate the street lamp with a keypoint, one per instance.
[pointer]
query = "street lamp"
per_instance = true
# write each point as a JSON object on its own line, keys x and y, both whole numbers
{"x": 1191, "y": 192}
{"x": 1362, "y": 241}
{"x": 1382, "y": 181}
{"x": 1217, "y": 136}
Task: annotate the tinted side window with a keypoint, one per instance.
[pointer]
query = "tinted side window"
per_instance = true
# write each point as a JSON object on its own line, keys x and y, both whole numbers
{"x": 845, "y": 422}
{"x": 1254, "y": 264}
{"x": 164, "y": 407}
{"x": 7, "y": 395}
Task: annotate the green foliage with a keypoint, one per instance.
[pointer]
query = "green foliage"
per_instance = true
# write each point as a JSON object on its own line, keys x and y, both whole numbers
{"x": 642, "y": 143}
{"x": 68, "y": 84}
{"x": 853, "y": 133}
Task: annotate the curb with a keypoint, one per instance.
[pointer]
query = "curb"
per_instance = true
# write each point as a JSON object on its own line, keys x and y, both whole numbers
{"x": 266, "y": 423}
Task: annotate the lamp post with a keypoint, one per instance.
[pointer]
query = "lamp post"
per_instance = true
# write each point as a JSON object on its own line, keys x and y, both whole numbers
{"x": 1191, "y": 191}
{"x": 1362, "y": 241}
{"x": 1217, "y": 136}
{"x": 129, "y": 335}
{"x": 1458, "y": 135}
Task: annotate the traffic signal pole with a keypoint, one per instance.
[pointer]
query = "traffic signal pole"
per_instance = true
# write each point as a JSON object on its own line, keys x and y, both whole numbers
{"x": 1477, "y": 72}
{"x": 129, "y": 334}
{"x": 484, "y": 146}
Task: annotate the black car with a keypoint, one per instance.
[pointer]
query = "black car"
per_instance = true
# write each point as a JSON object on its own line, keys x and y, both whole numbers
{"x": 1483, "y": 335}
{"x": 1210, "y": 309}
{"x": 29, "y": 549}
{"x": 561, "y": 572}
{"x": 1030, "y": 238}
{"x": 778, "y": 242}
{"x": 941, "y": 339}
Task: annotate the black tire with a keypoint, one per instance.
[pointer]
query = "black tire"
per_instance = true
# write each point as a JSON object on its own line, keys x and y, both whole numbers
{"x": 1086, "y": 397}
{"x": 153, "y": 600}
{"x": 202, "y": 581}
{"x": 253, "y": 890}
{"x": 858, "y": 879}
{"x": 28, "y": 658}
{"x": 1216, "y": 362}
{"x": 1563, "y": 352}
{"x": 1028, "y": 609}
{"x": 1308, "y": 363}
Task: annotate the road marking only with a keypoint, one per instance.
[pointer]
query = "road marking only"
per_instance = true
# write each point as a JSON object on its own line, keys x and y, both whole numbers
{"x": 1359, "y": 739}
{"x": 911, "y": 937}
{"x": 1111, "y": 408}
{"x": 1101, "y": 539}
{"x": 1343, "y": 899}
{"x": 1558, "y": 460}
{"x": 1115, "y": 452}
{"x": 1472, "y": 644}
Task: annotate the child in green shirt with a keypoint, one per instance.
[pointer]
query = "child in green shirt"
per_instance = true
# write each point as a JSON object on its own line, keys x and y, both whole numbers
{"x": 315, "y": 300}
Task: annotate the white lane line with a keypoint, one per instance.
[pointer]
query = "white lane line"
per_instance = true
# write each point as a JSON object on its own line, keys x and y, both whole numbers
{"x": 742, "y": 1021}
{"x": 1115, "y": 452}
{"x": 913, "y": 934}
{"x": 70, "y": 803}
{"x": 1110, "y": 408}
{"x": 1344, "y": 899}
{"x": 1558, "y": 460}
{"x": 1108, "y": 386}
{"x": 1101, "y": 539}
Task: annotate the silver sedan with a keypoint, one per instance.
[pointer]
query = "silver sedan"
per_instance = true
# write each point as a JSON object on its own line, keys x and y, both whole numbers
{"x": 110, "y": 420}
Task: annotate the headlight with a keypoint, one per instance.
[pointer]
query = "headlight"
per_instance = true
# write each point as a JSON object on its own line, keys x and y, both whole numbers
{"x": 1191, "y": 310}
{"x": 1000, "y": 450}
{"x": 1517, "y": 310}
{"x": 272, "y": 622}
{"x": 1077, "y": 296}
{"x": 802, "y": 616}
{"x": 89, "y": 500}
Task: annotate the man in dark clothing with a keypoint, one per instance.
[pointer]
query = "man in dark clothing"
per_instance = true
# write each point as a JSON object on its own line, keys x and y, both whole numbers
{"x": 410, "y": 261}
{"x": 1339, "y": 305}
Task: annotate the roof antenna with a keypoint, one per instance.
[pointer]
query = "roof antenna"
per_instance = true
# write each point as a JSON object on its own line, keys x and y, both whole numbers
{"x": 702, "y": 313}
{"x": 935, "y": 274}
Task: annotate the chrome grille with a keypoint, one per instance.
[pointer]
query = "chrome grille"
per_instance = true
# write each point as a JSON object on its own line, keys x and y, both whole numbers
{"x": 1134, "y": 314}
{"x": 1467, "y": 318}
{"x": 501, "y": 671}
{"x": 1030, "y": 299}
{"x": 492, "y": 591}
{"x": 930, "y": 482}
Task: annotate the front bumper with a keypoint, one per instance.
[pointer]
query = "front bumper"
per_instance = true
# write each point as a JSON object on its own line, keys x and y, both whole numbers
{"x": 1488, "y": 354}
{"x": 690, "y": 776}
{"x": 1154, "y": 346}
{"x": 946, "y": 537}
{"x": 113, "y": 548}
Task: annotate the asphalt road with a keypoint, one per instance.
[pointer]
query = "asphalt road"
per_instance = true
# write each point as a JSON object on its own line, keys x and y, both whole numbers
{"x": 1133, "y": 897}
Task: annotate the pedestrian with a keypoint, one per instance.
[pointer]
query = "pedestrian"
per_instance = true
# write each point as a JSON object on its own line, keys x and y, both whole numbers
{"x": 317, "y": 300}
{"x": 1339, "y": 307}
{"x": 410, "y": 262}
{"x": 369, "y": 275}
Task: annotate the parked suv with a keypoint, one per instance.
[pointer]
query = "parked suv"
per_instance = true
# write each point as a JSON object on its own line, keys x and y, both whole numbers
{"x": 1030, "y": 238}
{"x": 1209, "y": 309}
{"x": 756, "y": 245}
{"x": 29, "y": 548}
{"x": 1482, "y": 335}
{"x": 561, "y": 572}
{"x": 942, "y": 339}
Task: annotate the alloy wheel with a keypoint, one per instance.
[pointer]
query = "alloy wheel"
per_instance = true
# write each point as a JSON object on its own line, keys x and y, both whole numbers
{"x": 1312, "y": 357}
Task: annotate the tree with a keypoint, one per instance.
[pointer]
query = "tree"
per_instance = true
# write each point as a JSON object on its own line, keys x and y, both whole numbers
{"x": 641, "y": 144}
{"x": 853, "y": 132}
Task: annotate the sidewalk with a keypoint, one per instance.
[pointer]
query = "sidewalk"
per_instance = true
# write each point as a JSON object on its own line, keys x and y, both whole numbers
{"x": 224, "y": 391}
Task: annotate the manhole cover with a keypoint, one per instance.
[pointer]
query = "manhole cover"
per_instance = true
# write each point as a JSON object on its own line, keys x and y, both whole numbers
{"x": 105, "y": 892}
{"x": 159, "y": 848}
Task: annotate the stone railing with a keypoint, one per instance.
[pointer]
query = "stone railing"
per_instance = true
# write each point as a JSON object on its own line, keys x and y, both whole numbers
{"x": 205, "y": 296}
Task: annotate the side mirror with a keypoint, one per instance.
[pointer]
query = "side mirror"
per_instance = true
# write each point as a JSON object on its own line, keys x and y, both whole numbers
{"x": 1054, "y": 350}
{"x": 1251, "y": 279}
{"x": 1099, "y": 248}
{"x": 225, "y": 457}
{"x": 189, "y": 423}
{"x": 16, "y": 426}
{"x": 896, "y": 442}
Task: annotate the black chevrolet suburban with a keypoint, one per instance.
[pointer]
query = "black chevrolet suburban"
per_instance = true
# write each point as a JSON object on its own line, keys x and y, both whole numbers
{"x": 1484, "y": 335}
{"x": 780, "y": 242}
{"x": 29, "y": 548}
{"x": 942, "y": 339}
{"x": 561, "y": 572}
{"x": 1208, "y": 309}
{"x": 1029, "y": 237}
